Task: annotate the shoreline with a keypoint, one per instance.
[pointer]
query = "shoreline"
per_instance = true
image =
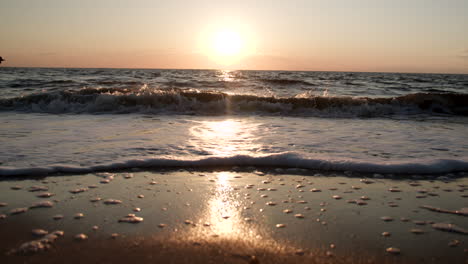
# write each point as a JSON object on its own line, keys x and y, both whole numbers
{"x": 230, "y": 216}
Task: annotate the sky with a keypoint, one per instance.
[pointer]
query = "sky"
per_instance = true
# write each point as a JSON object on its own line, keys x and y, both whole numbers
{"x": 316, "y": 35}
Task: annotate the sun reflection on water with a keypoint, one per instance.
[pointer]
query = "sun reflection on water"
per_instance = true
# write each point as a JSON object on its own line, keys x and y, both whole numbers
{"x": 225, "y": 138}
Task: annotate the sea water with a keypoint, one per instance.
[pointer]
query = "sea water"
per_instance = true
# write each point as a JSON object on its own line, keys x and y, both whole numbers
{"x": 89, "y": 120}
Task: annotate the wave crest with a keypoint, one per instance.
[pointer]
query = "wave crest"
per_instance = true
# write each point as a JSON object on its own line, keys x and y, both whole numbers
{"x": 281, "y": 160}
{"x": 179, "y": 101}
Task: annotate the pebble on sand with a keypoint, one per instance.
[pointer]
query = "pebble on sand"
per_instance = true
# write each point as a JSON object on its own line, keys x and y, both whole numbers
{"x": 281, "y": 225}
{"x": 18, "y": 210}
{"x": 386, "y": 218}
{"x": 81, "y": 237}
{"x": 79, "y": 190}
{"x": 42, "y": 204}
{"x": 393, "y": 250}
{"x": 39, "y": 232}
{"x": 45, "y": 195}
{"x": 112, "y": 201}
{"x": 386, "y": 234}
{"x": 131, "y": 218}
{"x": 57, "y": 217}
{"x": 78, "y": 216}
{"x": 38, "y": 188}
{"x": 417, "y": 231}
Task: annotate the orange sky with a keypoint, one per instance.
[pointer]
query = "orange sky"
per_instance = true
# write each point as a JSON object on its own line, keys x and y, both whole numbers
{"x": 361, "y": 35}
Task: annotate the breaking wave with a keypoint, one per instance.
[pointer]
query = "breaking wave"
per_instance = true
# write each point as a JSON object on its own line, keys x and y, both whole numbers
{"x": 281, "y": 160}
{"x": 180, "y": 101}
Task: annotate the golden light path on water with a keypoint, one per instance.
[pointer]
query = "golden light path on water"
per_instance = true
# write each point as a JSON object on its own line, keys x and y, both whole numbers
{"x": 225, "y": 138}
{"x": 227, "y": 215}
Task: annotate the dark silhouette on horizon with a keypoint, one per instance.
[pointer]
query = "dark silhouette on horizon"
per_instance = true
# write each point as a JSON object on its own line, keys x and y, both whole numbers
{"x": 1, "y": 59}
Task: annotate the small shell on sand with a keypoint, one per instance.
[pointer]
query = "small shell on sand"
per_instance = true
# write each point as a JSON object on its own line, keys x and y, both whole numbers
{"x": 95, "y": 228}
{"x": 78, "y": 216}
{"x": 45, "y": 195}
{"x": 394, "y": 190}
{"x": 366, "y": 181}
{"x": 38, "y": 188}
{"x": 42, "y": 204}
{"x": 32, "y": 247}
{"x": 112, "y": 201}
{"x": 386, "y": 218}
{"x": 95, "y": 199}
{"x": 81, "y": 237}
{"x": 365, "y": 198}
{"x": 128, "y": 175}
{"x": 58, "y": 233}
{"x": 287, "y": 211}
{"x": 386, "y": 234}
{"x": 417, "y": 231}
{"x": 131, "y": 218}
{"x": 188, "y": 222}
{"x": 299, "y": 216}
{"x": 419, "y": 222}
{"x": 57, "y": 217}
{"x": 393, "y": 250}
{"x": 315, "y": 190}
{"x": 79, "y": 190}
{"x": 336, "y": 197}
{"x": 454, "y": 243}
{"x": 18, "y": 210}
{"x": 162, "y": 225}
{"x": 141, "y": 196}
{"x": 271, "y": 203}
{"x": 39, "y": 232}
{"x": 136, "y": 209}
{"x": 281, "y": 225}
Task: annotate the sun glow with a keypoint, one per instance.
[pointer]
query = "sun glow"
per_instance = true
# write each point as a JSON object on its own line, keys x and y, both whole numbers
{"x": 227, "y": 43}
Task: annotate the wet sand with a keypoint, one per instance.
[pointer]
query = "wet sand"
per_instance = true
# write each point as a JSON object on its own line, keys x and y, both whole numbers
{"x": 254, "y": 216}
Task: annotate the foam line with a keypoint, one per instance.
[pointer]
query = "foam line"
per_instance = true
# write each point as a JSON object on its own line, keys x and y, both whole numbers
{"x": 284, "y": 160}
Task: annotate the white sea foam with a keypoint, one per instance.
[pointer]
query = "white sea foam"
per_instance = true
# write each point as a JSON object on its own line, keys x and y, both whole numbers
{"x": 287, "y": 160}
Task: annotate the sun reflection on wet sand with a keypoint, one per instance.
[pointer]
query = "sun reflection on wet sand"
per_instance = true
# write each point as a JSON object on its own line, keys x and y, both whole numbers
{"x": 223, "y": 210}
{"x": 225, "y": 138}
{"x": 223, "y": 218}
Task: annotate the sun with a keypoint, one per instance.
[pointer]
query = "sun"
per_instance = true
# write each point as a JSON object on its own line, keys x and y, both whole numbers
{"x": 227, "y": 43}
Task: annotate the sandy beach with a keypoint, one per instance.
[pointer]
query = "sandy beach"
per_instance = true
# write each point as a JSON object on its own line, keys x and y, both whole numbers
{"x": 234, "y": 216}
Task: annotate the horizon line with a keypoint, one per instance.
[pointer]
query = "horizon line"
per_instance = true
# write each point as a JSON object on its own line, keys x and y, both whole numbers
{"x": 220, "y": 69}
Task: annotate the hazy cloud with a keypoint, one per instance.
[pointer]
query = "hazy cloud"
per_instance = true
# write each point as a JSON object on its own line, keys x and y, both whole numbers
{"x": 464, "y": 54}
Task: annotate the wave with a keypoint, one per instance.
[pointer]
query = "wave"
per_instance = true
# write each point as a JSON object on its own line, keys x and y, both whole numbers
{"x": 286, "y": 82}
{"x": 179, "y": 101}
{"x": 281, "y": 160}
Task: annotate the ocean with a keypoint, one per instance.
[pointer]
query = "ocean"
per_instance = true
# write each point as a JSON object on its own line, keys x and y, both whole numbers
{"x": 58, "y": 120}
